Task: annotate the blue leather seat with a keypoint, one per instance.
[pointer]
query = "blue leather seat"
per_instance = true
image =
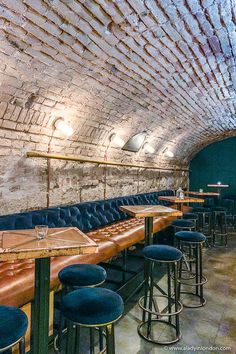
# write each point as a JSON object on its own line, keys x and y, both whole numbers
{"x": 181, "y": 223}
{"x": 201, "y": 210}
{"x": 219, "y": 208}
{"x": 13, "y": 326}
{"x": 190, "y": 236}
{"x": 92, "y": 306}
{"x": 82, "y": 275}
{"x": 190, "y": 216}
{"x": 162, "y": 253}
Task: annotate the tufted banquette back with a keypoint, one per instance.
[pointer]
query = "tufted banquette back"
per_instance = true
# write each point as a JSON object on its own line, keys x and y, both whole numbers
{"x": 86, "y": 216}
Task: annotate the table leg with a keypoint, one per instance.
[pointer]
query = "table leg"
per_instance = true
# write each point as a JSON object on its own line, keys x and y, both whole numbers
{"x": 181, "y": 207}
{"x": 148, "y": 230}
{"x": 41, "y": 306}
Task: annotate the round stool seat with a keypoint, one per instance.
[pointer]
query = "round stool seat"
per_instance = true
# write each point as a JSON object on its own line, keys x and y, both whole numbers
{"x": 162, "y": 253}
{"x": 92, "y": 306}
{"x": 219, "y": 208}
{"x": 82, "y": 275}
{"x": 201, "y": 210}
{"x": 190, "y": 236}
{"x": 183, "y": 223}
{"x": 190, "y": 216}
{"x": 13, "y": 325}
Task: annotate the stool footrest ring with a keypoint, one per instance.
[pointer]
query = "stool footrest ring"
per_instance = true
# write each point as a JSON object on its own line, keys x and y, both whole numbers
{"x": 203, "y": 300}
{"x": 151, "y": 340}
{"x": 204, "y": 281}
{"x": 160, "y": 314}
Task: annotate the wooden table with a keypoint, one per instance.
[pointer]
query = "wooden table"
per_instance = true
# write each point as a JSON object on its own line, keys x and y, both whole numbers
{"x": 204, "y": 194}
{"x": 180, "y": 202}
{"x": 148, "y": 212}
{"x": 218, "y": 186}
{"x": 23, "y": 244}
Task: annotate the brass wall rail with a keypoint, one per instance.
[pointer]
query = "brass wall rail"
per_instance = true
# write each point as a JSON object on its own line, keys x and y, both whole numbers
{"x": 99, "y": 162}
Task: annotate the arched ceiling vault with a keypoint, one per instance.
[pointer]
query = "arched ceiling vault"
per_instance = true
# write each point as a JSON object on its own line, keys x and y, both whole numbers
{"x": 165, "y": 66}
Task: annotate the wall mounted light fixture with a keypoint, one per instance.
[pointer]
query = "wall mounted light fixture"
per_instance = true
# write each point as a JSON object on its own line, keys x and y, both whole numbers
{"x": 63, "y": 127}
{"x": 148, "y": 148}
{"x": 168, "y": 152}
{"x": 117, "y": 140}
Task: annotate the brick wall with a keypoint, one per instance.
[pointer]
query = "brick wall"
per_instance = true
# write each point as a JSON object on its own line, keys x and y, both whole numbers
{"x": 23, "y": 181}
{"x": 124, "y": 66}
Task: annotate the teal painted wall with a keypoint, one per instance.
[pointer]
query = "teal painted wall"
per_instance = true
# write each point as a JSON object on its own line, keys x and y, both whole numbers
{"x": 216, "y": 162}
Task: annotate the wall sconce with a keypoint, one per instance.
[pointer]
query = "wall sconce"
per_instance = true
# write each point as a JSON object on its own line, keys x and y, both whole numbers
{"x": 168, "y": 152}
{"x": 148, "y": 148}
{"x": 117, "y": 140}
{"x": 63, "y": 127}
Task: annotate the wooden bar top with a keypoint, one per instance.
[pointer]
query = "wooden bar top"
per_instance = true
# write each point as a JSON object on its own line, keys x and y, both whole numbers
{"x": 204, "y": 194}
{"x": 175, "y": 200}
{"x": 23, "y": 244}
{"x": 149, "y": 210}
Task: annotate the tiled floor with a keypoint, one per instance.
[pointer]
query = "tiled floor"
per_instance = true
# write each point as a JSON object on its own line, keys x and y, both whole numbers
{"x": 203, "y": 329}
{"x": 213, "y": 325}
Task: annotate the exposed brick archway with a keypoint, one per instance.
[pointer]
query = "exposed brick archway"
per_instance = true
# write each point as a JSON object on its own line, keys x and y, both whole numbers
{"x": 165, "y": 66}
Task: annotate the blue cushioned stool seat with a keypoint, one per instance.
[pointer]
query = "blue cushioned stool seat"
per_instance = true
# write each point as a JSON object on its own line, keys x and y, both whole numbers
{"x": 201, "y": 210}
{"x": 82, "y": 275}
{"x": 190, "y": 236}
{"x": 13, "y": 325}
{"x": 162, "y": 253}
{"x": 190, "y": 216}
{"x": 219, "y": 208}
{"x": 183, "y": 223}
{"x": 92, "y": 306}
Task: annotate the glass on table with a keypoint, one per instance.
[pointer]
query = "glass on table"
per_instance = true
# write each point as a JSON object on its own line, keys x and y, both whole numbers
{"x": 41, "y": 231}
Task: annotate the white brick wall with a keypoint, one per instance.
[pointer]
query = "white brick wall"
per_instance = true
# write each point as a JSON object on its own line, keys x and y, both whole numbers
{"x": 167, "y": 67}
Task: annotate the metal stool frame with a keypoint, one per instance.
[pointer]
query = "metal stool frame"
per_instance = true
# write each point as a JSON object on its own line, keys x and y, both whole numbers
{"x": 73, "y": 337}
{"x": 147, "y": 302}
{"x": 200, "y": 279}
{"x": 61, "y": 330}
{"x": 221, "y": 218}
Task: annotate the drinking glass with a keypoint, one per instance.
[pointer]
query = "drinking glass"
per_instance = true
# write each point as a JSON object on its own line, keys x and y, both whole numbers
{"x": 41, "y": 231}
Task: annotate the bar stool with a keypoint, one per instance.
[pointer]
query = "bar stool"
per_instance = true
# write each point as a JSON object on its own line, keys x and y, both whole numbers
{"x": 82, "y": 275}
{"x": 13, "y": 326}
{"x": 91, "y": 307}
{"x": 79, "y": 276}
{"x": 182, "y": 224}
{"x": 203, "y": 216}
{"x": 185, "y": 225}
{"x": 219, "y": 218}
{"x": 170, "y": 256}
{"x": 192, "y": 217}
{"x": 195, "y": 240}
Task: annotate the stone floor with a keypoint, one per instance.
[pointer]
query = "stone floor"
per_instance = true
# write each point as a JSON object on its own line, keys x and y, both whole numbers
{"x": 213, "y": 325}
{"x": 209, "y": 329}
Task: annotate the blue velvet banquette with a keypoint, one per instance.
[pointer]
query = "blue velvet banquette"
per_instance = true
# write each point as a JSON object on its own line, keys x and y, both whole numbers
{"x": 86, "y": 216}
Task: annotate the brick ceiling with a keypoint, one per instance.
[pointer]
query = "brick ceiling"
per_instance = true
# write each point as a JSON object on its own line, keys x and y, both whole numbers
{"x": 167, "y": 67}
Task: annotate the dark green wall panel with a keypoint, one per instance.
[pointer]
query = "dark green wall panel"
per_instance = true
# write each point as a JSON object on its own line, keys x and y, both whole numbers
{"x": 216, "y": 162}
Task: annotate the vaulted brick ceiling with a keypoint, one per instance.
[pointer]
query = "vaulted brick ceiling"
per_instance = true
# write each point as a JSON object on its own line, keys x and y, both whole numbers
{"x": 165, "y": 66}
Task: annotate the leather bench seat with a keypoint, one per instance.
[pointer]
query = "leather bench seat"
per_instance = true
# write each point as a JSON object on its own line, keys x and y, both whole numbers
{"x": 103, "y": 221}
{"x": 17, "y": 277}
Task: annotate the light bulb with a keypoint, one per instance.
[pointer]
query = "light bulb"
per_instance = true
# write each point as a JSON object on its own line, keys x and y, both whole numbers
{"x": 148, "y": 148}
{"x": 169, "y": 153}
{"x": 63, "y": 127}
{"x": 219, "y": 183}
{"x": 117, "y": 140}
